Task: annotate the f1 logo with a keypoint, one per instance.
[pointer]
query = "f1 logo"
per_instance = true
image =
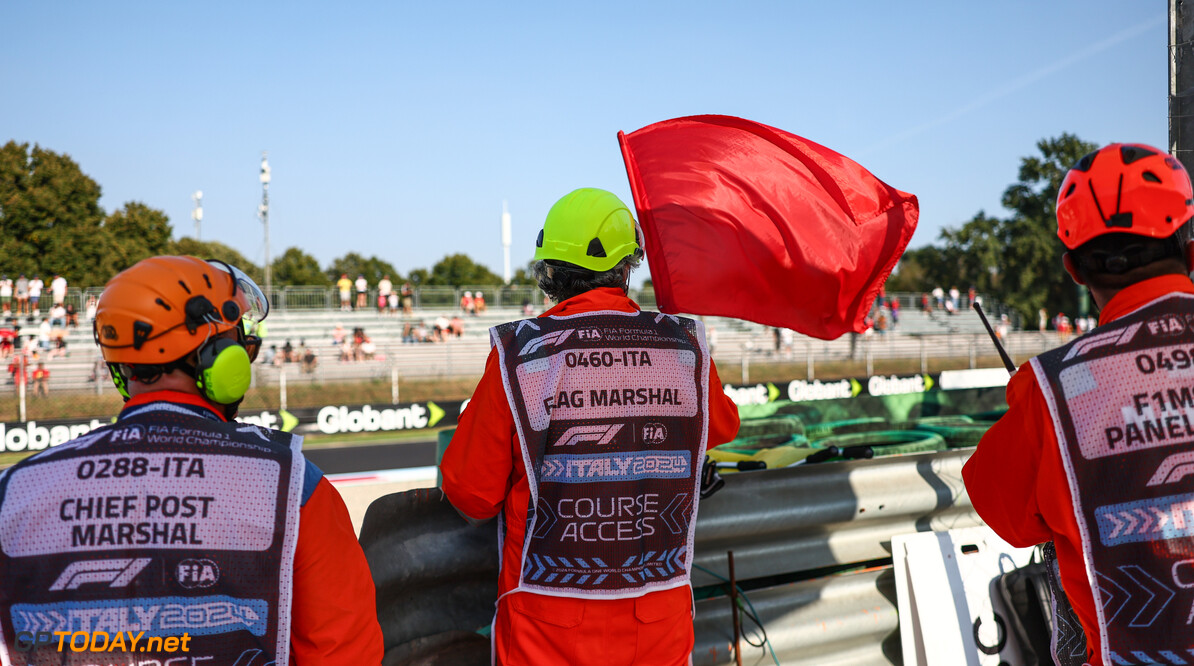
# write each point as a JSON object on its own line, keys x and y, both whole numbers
{"x": 117, "y": 573}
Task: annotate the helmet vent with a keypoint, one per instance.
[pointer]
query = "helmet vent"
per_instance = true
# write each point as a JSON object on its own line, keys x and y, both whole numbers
{"x": 1120, "y": 220}
{"x": 184, "y": 286}
{"x": 141, "y": 331}
{"x": 1086, "y": 162}
{"x": 1130, "y": 154}
{"x": 1150, "y": 177}
{"x": 539, "y": 240}
{"x": 162, "y": 303}
{"x": 1069, "y": 190}
{"x": 207, "y": 280}
{"x": 596, "y": 249}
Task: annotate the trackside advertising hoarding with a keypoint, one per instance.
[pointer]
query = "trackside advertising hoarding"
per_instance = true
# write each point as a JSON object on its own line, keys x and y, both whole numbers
{"x": 21, "y": 436}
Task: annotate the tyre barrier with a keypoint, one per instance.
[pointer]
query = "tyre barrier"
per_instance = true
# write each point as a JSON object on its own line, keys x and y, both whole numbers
{"x": 770, "y": 427}
{"x": 436, "y": 578}
{"x": 958, "y": 436}
{"x": 818, "y": 431}
{"x": 888, "y": 442}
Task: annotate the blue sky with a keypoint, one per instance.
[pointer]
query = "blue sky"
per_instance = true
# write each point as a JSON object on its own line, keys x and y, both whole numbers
{"x": 397, "y": 129}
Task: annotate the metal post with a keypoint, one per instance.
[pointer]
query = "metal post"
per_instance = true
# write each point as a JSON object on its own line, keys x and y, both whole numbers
{"x": 808, "y": 355}
{"x": 282, "y": 389}
{"x": 1181, "y": 82}
{"x": 924, "y": 357}
{"x": 734, "y": 610}
{"x": 265, "y": 178}
{"x": 746, "y": 365}
{"x": 394, "y": 384}
{"x": 197, "y": 214}
{"x": 21, "y": 385}
{"x": 973, "y": 360}
{"x": 870, "y": 361}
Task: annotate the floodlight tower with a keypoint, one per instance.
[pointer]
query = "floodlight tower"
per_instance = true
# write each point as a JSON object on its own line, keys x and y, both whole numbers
{"x": 197, "y": 214}
{"x": 506, "y": 236}
{"x": 264, "y": 212}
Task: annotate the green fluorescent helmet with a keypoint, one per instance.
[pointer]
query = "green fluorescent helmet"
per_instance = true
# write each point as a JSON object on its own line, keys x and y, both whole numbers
{"x": 590, "y": 228}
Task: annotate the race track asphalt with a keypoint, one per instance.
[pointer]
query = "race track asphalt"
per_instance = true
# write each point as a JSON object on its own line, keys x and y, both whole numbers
{"x": 371, "y": 457}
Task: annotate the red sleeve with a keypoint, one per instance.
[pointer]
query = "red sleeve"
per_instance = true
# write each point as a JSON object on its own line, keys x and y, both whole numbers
{"x": 478, "y": 463}
{"x": 334, "y": 613}
{"x": 723, "y": 413}
{"x": 1002, "y": 475}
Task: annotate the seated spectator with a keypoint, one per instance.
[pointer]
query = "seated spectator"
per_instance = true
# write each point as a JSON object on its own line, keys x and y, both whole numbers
{"x": 478, "y": 303}
{"x": 92, "y": 304}
{"x": 367, "y": 349}
{"x": 58, "y": 346}
{"x": 288, "y": 352}
{"x": 408, "y": 332}
{"x": 467, "y": 303}
{"x": 456, "y": 326}
{"x": 441, "y": 329}
{"x": 269, "y": 355}
{"x": 72, "y": 317}
{"x": 346, "y": 350}
{"x": 528, "y": 310}
{"x": 43, "y": 333}
{"x": 58, "y": 316}
{"x": 309, "y": 359}
{"x": 41, "y": 381}
{"x": 420, "y": 332}
{"x": 338, "y": 334}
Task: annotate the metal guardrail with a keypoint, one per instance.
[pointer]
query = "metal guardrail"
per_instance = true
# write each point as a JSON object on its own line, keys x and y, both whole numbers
{"x": 809, "y": 517}
{"x": 846, "y": 620}
{"x": 777, "y": 522}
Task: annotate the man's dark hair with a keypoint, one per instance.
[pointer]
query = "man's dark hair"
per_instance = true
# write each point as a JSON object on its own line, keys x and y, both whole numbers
{"x": 561, "y": 280}
{"x": 1115, "y": 261}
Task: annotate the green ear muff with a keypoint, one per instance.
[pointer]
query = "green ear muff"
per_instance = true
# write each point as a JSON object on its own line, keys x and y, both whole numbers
{"x": 224, "y": 371}
{"x": 118, "y": 380}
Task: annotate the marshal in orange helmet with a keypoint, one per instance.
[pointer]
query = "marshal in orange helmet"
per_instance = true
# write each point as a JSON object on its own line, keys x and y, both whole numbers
{"x": 1127, "y": 188}
{"x": 167, "y": 313}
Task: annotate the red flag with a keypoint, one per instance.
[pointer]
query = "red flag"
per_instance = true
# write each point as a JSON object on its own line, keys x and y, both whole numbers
{"x": 748, "y": 221}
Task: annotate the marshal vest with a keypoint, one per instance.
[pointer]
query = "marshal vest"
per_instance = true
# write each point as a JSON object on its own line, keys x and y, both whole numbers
{"x": 1122, "y": 403}
{"x": 162, "y": 525}
{"x": 611, "y": 410}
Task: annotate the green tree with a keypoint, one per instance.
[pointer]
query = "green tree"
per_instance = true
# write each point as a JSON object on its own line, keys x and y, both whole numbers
{"x": 353, "y": 264}
{"x": 1032, "y": 253}
{"x": 456, "y": 270}
{"x": 51, "y": 217}
{"x": 296, "y": 267}
{"x": 525, "y": 277}
{"x": 137, "y": 231}
{"x": 1018, "y": 259}
{"x": 217, "y": 250}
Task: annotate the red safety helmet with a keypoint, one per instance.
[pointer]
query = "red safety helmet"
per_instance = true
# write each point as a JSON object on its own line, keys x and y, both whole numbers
{"x": 1123, "y": 188}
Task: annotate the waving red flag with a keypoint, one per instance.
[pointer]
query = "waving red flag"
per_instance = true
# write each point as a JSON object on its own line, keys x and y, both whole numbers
{"x": 748, "y": 221}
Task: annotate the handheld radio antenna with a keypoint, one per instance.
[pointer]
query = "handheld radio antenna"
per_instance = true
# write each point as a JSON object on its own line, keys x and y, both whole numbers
{"x": 1007, "y": 360}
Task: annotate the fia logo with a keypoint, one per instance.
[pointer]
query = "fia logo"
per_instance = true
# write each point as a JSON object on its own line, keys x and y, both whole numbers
{"x": 197, "y": 573}
{"x": 654, "y": 433}
{"x": 127, "y": 435}
{"x": 588, "y": 334}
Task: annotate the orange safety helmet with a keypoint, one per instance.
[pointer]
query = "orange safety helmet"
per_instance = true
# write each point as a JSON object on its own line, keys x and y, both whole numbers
{"x": 1123, "y": 188}
{"x": 163, "y": 308}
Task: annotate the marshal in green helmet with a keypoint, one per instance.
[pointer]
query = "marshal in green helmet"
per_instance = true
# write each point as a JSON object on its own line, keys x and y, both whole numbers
{"x": 589, "y": 240}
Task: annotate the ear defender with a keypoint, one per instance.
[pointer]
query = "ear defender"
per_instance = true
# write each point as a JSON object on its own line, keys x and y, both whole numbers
{"x": 118, "y": 380}
{"x": 224, "y": 371}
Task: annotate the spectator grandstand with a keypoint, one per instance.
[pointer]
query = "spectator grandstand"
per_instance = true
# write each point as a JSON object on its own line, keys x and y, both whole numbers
{"x": 314, "y": 314}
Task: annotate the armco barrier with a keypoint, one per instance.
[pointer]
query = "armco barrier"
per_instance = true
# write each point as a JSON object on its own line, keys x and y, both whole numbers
{"x": 791, "y": 521}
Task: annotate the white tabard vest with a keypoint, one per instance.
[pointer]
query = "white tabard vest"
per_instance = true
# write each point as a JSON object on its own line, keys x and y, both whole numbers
{"x": 163, "y": 524}
{"x": 612, "y": 416}
{"x": 1122, "y": 403}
